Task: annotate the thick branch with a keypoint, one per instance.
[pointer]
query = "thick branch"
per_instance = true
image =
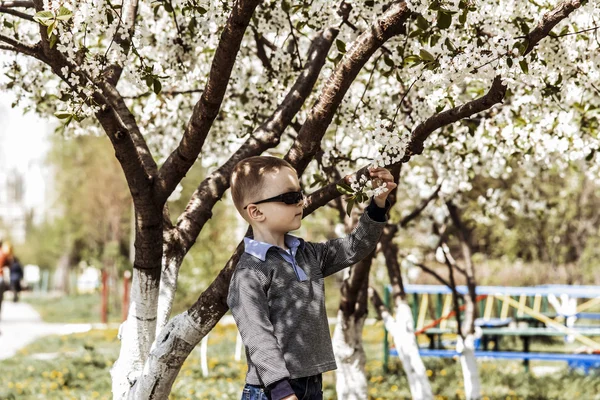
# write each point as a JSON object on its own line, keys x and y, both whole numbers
{"x": 377, "y": 303}
{"x": 16, "y": 4}
{"x": 549, "y": 21}
{"x": 7, "y": 10}
{"x": 389, "y": 248}
{"x": 452, "y": 286}
{"x": 422, "y": 132}
{"x": 308, "y": 141}
{"x": 351, "y": 303}
{"x": 21, "y": 47}
{"x": 465, "y": 245}
{"x": 266, "y": 136}
{"x": 142, "y": 152}
{"x": 207, "y": 108}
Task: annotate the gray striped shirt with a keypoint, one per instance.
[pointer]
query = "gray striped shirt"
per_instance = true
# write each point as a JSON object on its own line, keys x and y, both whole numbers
{"x": 283, "y": 321}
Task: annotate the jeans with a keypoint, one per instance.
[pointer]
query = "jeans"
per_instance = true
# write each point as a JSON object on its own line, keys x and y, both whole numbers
{"x": 307, "y": 388}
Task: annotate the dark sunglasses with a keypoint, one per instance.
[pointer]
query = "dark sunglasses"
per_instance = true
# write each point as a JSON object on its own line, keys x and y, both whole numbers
{"x": 287, "y": 198}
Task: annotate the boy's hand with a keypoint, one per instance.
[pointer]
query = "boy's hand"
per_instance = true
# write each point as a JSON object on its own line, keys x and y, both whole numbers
{"x": 292, "y": 397}
{"x": 381, "y": 176}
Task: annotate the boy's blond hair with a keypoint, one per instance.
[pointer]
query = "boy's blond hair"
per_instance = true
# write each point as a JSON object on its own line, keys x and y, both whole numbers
{"x": 247, "y": 177}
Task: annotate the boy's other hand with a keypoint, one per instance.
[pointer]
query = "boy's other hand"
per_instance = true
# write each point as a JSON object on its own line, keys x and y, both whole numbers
{"x": 381, "y": 176}
{"x": 292, "y": 397}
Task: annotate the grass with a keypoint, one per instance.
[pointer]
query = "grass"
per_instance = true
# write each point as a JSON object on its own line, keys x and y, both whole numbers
{"x": 83, "y": 308}
{"x": 80, "y": 368}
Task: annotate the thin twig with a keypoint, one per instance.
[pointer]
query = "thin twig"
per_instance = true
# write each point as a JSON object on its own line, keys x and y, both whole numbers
{"x": 574, "y": 33}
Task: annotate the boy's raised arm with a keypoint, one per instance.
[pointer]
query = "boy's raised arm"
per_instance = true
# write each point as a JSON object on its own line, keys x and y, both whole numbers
{"x": 337, "y": 254}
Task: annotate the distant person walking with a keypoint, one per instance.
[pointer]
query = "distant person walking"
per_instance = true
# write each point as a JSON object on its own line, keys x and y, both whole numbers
{"x": 5, "y": 253}
{"x": 16, "y": 275}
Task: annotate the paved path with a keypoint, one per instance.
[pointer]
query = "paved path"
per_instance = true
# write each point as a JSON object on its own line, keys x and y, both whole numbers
{"x": 20, "y": 325}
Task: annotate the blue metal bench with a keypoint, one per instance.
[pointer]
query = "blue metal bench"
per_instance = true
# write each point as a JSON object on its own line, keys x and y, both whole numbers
{"x": 575, "y": 361}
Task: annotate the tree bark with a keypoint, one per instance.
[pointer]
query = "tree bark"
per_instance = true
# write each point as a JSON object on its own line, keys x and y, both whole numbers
{"x": 465, "y": 344}
{"x": 402, "y": 330}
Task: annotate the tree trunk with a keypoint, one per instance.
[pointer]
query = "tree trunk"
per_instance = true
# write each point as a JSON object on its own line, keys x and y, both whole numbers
{"x": 351, "y": 380}
{"x": 465, "y": 344}
{"x": 348, "y": 347}
{"x": 136, "y": 333}
{"x": 468, "y": 363}
{"x": 402, "y": 326}
{"x": 402, "y": 330}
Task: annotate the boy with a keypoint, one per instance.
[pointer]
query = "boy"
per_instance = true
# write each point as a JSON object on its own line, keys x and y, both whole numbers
{"x": 276, "y": 294}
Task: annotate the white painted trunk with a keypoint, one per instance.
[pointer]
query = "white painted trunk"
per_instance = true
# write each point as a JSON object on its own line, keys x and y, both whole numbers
{"x": 173, "y": 345}
{"x": 351, "y": 382}
{"x": 402, "y": 330}
{"x": 168, "y": 286}
{"x": 204, "y": 356}
{"x": 468, "y": 363}
{"x": 136, "y": 334}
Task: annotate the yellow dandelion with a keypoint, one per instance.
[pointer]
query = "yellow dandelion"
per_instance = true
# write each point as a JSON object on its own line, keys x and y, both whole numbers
{"x": 443, "y": 372}
{"x": 429, "y": 372}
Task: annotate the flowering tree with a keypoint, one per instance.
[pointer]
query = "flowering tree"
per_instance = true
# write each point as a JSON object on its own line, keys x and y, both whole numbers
{"x": 171, "y": 81}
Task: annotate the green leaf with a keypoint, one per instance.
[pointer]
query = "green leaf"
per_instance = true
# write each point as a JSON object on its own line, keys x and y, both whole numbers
{"x": 422, "y": 23}
{"x": 524, "y": 66}
{"x": 413, "y": 58}
{"x": 201, "y": 10}
{"x": 168, "y": 7}
{"x": 425, "y": 55}
{"x": 590, "y": 156}
{"x": 450, "y": 45}
{"x": 64, "y": 14}
{"x": 462, "y": 18}
{"x": 285, "y": 6}
{"x": 53, "y": 40}
{"x": 415, "y": 33}
{"x": 51, "y": 27}
{"x": 509, "y": 62}
{"x": 388, "y": 61}
{"x": 157, "y": 86}
{"x": 349, "y": 207}
{"x": 434, "y": 6}
{"x": 63, "y": 114}
{"x": 344, "y": 188}
{"x": 444, "y": 20}
{"x": 44, "y": 17}
{"x": 341, "y": 46}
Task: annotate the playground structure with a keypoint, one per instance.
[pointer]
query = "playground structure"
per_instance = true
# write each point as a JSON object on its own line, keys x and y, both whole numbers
{"x": 524, "y": 312}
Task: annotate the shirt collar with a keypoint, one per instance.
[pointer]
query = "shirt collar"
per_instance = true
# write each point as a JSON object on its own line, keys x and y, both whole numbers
{"x": 259, "y": 249}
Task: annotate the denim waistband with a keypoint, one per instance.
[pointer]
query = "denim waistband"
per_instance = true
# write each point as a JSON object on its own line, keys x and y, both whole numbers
{"x": 302, "y": 380}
